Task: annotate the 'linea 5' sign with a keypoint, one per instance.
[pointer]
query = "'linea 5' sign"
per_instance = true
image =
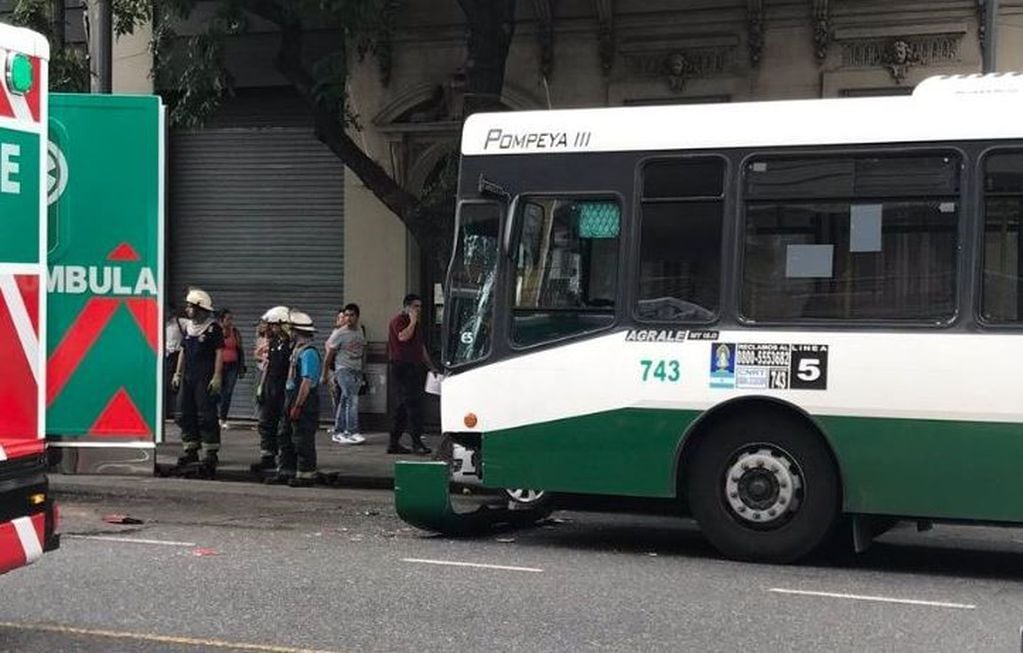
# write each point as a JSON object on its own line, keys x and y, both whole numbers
{"x": 105, "y": 280}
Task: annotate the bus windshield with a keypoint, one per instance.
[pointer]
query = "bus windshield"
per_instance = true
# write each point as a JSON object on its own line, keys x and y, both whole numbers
{"x": 471, "y": 279}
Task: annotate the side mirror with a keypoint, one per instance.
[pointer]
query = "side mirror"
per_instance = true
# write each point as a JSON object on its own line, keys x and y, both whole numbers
{"x": 511, "y": 230}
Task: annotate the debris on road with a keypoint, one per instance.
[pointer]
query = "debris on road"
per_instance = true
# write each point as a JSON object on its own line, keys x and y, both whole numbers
{"x": 121, "y": 519}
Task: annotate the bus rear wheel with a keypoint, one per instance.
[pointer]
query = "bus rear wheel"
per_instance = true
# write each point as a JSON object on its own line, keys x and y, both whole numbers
{"x": 763, "y": 487}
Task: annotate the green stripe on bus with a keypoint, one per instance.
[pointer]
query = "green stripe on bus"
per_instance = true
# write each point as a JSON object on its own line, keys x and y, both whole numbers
{"x": 907, "y": 467}
{"x": 628, "y": 452}
{"x": 929, "y": 468}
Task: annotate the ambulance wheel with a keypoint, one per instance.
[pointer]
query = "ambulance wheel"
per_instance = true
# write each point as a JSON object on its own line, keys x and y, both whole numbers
{"x": 763, "y": 487}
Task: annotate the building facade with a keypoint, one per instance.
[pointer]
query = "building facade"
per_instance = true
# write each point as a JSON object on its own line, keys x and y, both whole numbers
{"x": 261, "y": 213}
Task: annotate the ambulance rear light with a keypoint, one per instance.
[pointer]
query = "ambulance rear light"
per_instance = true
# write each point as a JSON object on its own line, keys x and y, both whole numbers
{"x": 18, "y": 75}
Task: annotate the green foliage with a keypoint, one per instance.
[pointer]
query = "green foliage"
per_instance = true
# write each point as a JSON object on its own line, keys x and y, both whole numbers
{"x": 69, "y": 65}
{"x": 128, "y": 14}
{"x": 33, "y": 14}
{"x": 69, "y": 70}
{"x": 190, "y": 71}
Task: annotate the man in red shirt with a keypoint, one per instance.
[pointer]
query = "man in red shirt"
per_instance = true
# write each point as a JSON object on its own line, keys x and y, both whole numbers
{"x": 406, "y": 351}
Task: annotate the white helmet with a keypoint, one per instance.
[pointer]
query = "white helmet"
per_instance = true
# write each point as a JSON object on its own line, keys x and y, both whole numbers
{"x": 277, "y": 315}
{"x": 199, "y": 298}
{"x": 302, "y": 322}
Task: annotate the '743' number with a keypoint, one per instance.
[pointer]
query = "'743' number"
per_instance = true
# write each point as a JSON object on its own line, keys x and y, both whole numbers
{"x": 662, "y": 370}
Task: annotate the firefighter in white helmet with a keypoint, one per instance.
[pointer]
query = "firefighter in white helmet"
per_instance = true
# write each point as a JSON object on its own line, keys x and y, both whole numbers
{"x": 271, "y": 386}
{"x": 296, "y": 464}
{"x": 198, "y": 380}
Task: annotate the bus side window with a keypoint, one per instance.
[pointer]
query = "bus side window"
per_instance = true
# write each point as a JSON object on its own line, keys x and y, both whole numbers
{"x": 1002, "y": 299}
{"x": 680, "y": 240}
{"x": 852, "y": 237}
{"x": 566, "y": 268}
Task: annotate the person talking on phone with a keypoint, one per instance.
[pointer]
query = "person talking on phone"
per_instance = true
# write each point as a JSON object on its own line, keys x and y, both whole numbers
{"x": 409, "y": 360}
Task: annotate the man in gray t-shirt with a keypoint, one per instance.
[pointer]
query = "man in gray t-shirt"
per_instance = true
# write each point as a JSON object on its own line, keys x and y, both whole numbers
{"x": 346, "y": 356}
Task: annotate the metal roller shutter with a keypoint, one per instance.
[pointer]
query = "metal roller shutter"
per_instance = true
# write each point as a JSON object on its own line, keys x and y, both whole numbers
{"x": 257, "y": 219}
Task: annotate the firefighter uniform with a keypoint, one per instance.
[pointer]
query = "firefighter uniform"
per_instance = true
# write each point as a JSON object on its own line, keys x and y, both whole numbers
{"x": 270, "y": 394}
{"x": 199, "y": 385}
{"x": 297, "y": 438}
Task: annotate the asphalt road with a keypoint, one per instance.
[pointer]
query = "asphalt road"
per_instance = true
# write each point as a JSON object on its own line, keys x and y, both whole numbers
{"x": 276, "y": 569}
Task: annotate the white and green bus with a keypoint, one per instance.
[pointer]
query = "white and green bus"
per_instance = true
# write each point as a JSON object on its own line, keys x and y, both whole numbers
{"x": 780, "y": 316}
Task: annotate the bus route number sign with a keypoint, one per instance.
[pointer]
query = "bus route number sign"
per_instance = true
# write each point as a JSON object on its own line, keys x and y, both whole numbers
{"x": 769, "y": 366}
{"x": 809, "y": 369}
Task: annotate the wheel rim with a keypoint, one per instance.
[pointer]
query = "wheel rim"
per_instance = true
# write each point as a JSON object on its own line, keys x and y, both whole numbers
{"x": 521, "y": 495}
{"x": 763, "y": 486}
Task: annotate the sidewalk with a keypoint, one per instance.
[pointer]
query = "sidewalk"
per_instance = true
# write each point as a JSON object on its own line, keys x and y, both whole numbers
{"x": 365, "y": 466}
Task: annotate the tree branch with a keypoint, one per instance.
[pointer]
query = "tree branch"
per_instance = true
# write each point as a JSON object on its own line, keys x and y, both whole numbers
{"x": 329, "y": 120}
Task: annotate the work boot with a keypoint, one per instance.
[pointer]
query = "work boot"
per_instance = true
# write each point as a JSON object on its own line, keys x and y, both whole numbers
{"x": 188, "y": 458}
{"x": 396, "y": 448}
{"x": 278, "y": 479}
{"x": 265, "y": 464}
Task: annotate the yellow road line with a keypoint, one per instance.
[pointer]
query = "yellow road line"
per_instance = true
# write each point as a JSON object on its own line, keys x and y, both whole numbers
{"x": 161, "y": 639}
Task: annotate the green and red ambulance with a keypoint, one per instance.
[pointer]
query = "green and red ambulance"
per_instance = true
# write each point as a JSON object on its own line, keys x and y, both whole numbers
{"x": 104, "y": 258}
{"x": 28, "y": 517}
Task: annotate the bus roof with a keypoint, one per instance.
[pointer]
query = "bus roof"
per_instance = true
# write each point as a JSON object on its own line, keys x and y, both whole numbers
{"x": 24, "y": 41}
{"x": 956, "y": 108}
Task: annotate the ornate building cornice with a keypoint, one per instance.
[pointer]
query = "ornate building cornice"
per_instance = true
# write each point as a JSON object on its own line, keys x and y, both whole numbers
{"x": 676, "y": 65}
{"x": 605, "y": 34}
{"x": 755, "y": 30}
{"x": 897, "y": 54}
{"x": 545, "y": 36}
{"x": 822, "y": 28}
{"x": 384, "y": 49}
{"x": 982, "y": 23}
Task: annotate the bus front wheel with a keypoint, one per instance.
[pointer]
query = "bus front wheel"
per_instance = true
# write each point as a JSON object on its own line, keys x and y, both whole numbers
{"x": 763, "y": 487}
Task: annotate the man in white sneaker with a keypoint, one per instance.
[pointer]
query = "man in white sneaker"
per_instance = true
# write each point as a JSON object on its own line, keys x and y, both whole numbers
{"x": 328, "y": 368}
{"x": 346, "y": 356}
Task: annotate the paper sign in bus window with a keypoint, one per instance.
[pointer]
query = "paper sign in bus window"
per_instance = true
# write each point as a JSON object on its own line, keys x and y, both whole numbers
{"x": 809, "y": 261}
{"x": 865, "y": 228}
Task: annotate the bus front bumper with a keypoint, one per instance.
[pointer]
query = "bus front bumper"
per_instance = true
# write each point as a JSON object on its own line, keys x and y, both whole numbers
{"x": 422, "y": 499}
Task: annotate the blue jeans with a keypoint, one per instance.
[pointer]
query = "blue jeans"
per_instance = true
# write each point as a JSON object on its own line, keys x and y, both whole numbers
{"x": 227, "y": 383}
{"x": 346, "y": 419}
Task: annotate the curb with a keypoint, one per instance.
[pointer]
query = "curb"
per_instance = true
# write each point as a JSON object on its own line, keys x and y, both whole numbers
{"x": 228, "y": 482}
{"x": 331, "y": 479}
